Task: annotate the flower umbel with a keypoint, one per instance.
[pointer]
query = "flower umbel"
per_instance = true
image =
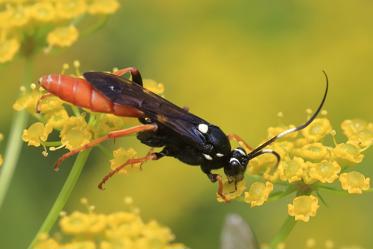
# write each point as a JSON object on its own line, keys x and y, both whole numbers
{"x": 310, "y": 161}
{"x": 123, "y": 229}
{"x": 47, "y": 24}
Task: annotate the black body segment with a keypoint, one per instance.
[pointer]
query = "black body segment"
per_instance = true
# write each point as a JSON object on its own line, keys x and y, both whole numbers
{"x": 179, "y": 131}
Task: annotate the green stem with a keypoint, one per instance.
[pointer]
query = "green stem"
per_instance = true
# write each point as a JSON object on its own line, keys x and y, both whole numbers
{"x": 283, "y": 233}
{"x": 63, "y": 196}
{"x": 14, "y": 144}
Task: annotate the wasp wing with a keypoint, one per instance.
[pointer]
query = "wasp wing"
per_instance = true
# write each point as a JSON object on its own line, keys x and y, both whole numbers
{"x": 124, "y": 92}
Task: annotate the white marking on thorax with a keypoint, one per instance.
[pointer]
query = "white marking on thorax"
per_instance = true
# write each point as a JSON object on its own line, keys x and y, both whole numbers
{"x": 111, "y": 87}
{"x": 208, "y": 157}
{"x": 203, "y": 128}
{"x": 219, "y": 154}
{"x": 241, "y": 151}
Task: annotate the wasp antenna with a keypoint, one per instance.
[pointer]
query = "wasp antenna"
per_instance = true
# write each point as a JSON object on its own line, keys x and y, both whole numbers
{"x": 298, "y": 128}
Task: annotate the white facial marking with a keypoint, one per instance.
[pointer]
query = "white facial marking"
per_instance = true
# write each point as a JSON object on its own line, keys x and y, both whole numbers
{"x": 49, "y": 79}
{"x": 234, "y": 160}
{"x": 111, "y": 88}
{"x": 203, "y": 128}
{"x": 208, "y": 157}
{"x": 241, "y": 151}
{"x": 219, "y": 155}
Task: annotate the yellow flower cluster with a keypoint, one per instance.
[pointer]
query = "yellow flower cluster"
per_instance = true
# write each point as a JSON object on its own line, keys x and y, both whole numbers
{"x": 41, "y": 23}
{"x": 1, "y": 156}
{"x": 124, "y": 229}
{"x": 311, "y": 160}
{"x": 76, "y": 127}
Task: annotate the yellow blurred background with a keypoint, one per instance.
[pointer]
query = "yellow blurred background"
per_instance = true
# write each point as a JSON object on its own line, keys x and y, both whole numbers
{"x": 235, "y": 63}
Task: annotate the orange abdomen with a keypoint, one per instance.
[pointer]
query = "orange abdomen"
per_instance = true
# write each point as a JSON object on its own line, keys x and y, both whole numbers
{"x": 79, "y": 92}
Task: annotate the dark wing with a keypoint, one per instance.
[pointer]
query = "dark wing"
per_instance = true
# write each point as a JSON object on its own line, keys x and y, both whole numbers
{"x": 125, "y": 92}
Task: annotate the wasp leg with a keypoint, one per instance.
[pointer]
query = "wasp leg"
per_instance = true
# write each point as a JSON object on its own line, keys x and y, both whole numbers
{"x": 135, "y": 73}
{"x": 217, "y": 178}
{"x": 240, "y": 141}
{"x": 221, "y": 188}
{"x": 46, "y": 95}
{"x": 141, "y": 160}
{"x": 110, "y": 135}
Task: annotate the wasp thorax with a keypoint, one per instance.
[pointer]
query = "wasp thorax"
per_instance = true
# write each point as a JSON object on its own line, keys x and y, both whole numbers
{"x": 237, "y": 164}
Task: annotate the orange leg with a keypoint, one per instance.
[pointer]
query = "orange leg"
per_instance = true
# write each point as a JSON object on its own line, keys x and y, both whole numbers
{"x": 141, "y": 160}
{"x": 46, "y": 95}
{"x": 111, "y": 135}
{"x": 221, "y": 188}
{"x": 135, "y": 73}
{"x": 240, "y": 141}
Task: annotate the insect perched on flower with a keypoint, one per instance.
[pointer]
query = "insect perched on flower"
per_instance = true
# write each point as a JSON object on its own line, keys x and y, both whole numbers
{"x": 181, "y": 134}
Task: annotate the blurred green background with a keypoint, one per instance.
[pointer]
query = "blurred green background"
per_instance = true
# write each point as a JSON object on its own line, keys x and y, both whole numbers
{"x": 235, "y": 63}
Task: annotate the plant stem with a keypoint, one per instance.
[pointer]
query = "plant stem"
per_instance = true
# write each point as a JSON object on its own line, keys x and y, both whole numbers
{"x": 63, "y": 195}
{"x": 14, "y": 144}
{"x": 284, "y": 232}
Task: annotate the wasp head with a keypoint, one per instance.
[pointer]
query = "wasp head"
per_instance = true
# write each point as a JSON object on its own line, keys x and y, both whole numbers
{"x": 237, "y": 164}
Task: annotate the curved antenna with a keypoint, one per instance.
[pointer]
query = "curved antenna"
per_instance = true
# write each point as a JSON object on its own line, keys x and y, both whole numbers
{"x": 255, "y": 152}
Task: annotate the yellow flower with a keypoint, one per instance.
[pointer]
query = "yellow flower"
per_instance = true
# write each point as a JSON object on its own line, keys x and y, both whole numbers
{"x": 155, "y": 87}
{"x": 68, "y": 9}
{"x": 303, "y": 207}
{"x": 43, "y": 11}
{"x": 5, "y": 16}
{"x": 19, "y": 15}
{"x": 258, "y": 193}
{"x": 44, "y": 242}
{"x": 273, "y": 131}
{"x": 347, "y": 154}
{"x": 49, "y": 104}
{"x": 354, "y": 182}
{"x": 283, "y": 148}
{"x": 56, "y": 119}
{"x": 81, "y": 223}
{"x": 79, "y": 245}
{"x": 103, "y": 7}
{"x": 120, "y": 156}
{"x": 326, "y": 171}
{"x": 108, "y": 122}
{"x": 27, "y": 101}
{"x": 75, "y": 133}
{"x": 8, "y": 48}
{"x": 307, "y": 178}
{"x": 313, "y": 152}
{"x": 260, "y": 164}
{"x": 153, "y": 231}
{"x": 231, "y": 191}
{"x": 291, "y": 170}
{"x": 63, "y": 36}
{"x": 36, "y": 134}
{"x": 317, "y": 130}
{"x": 359, "y": 131}
{"x": 119, "y": 218}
